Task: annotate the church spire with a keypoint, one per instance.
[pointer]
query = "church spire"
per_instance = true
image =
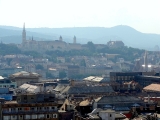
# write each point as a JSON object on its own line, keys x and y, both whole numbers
{"x": 24, "y": 26}
{"x": 74, "y": 39}
{"x": 60, "y": 38}
{"x": 145, "y": 62}
{"x": 23, "y": 34}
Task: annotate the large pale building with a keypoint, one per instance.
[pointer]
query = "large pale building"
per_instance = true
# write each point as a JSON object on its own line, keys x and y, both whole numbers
{"x": 24, "y": 77}
{"x": 40, "y": 46}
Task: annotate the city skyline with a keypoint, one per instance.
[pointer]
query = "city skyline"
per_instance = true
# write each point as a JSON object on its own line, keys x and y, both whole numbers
{"x": 141, "y": 15}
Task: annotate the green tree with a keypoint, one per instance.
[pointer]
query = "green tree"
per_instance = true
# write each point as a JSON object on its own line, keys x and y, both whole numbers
{"x": 83, "y": 63}
{"x": 49, "y": 75}
{"x": 38, "y": 66}
{"x": 62, "y": 74}
{"x": 91, "y": 46}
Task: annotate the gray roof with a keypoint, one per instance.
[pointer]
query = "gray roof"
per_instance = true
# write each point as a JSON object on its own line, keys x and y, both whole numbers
{"x": 65, "y": 90}
{"x": 90, "y": 89}
{"x": 60, "y": 88}
{"x": 118, "y": 99}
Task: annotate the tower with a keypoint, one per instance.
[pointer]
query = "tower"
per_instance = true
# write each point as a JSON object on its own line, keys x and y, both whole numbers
{"x": 23, "y": 34}
{"x": 60, "y": 38}
{"x": 74, "y": 39}
{"x": 145, "y": 62}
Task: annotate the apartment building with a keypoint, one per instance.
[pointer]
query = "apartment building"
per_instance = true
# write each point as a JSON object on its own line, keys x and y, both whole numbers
{"x": 42, "y": 106}
{"x": 24, "y": 77}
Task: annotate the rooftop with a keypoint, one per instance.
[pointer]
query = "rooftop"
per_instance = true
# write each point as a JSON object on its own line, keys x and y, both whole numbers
{"x": 25, "y": 74}
{"x": 152, "y": 87}
{"x": 84, "y": 103}
{"x": 1, "y": 78}
{"x": 90, "y": 89}
{"x": 118, "y": 99}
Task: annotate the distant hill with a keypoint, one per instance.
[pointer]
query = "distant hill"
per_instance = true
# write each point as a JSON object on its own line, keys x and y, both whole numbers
{"x": 98, "y": 35}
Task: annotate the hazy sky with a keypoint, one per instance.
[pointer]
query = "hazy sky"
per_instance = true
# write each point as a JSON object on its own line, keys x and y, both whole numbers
{"x": 143, "y": 15}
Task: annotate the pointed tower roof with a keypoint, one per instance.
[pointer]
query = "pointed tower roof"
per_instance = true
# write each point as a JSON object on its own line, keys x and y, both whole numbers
{"x": 60, "y": 38}
{"x": 74, "y": 39}
{"x": 145, "y": 61}
{"x": 24, "y": 26}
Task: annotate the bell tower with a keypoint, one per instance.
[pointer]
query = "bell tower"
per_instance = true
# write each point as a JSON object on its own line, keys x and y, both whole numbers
{"x": 74, "y": 39}
{"x": 23, "y": 34}
{"x": 60, "y": 38}
{"x": 145, "y": 62}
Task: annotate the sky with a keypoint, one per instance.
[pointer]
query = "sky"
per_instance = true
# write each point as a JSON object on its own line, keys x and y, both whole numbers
{"x": 143, "y": 15}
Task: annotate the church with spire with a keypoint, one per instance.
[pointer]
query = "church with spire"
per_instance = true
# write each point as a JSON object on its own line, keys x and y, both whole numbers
{"x": 31, "y": 44}
{"x": 142, "y": 64}
{"x": 145, "y": 62}
{"x": 23, "y": 34}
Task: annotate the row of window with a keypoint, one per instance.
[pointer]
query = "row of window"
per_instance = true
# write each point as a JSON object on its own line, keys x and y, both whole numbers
{"x": 33, "y": 116}
{"x": 122, "y": 77}
{"x": 23, "y": 109}
{"x": 7, "y": 86}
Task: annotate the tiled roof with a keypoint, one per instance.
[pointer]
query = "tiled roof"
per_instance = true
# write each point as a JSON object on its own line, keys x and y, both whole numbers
{"x": 29, "y": 88}
{"x": 90, "y": 89}
{"x": 60, "y": 88}
{"x": 84, "y": 103}
{"x": 152, "y": 87}
{"x": 118, "y": 99}
{"x": 25, "y": 74}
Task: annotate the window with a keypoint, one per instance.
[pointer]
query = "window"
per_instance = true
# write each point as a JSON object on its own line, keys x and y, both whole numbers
{"x": 48, "y": 116}
{"x": 54, "y": 115}
{"x": 110, "y": 115}
{"x": 13, "y": 109}
{"x": 12, "y": 86}
{"x": 32, "y": 108}
{"x": 19, "y": 109}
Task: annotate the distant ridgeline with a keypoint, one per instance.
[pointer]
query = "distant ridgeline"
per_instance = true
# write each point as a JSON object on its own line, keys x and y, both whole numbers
{"x": 41, "y": 46}
{"x": 61, "y": 48}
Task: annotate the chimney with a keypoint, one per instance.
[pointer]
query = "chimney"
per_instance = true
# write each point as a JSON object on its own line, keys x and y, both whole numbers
{"x": 72, "y": 83}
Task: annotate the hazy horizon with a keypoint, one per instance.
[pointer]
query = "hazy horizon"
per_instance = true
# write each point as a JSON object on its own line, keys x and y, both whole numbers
{"x": 141, "y": 15}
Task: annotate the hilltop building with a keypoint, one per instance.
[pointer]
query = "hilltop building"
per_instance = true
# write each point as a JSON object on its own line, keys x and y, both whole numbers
{"x": 115, "y": 44}
{"x": 31, "y": 45}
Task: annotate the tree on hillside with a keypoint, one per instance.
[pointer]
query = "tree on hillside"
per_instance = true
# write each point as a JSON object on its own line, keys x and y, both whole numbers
{"x": 91, "y": 46}
{"x": 40, "y": 67}
{"x": 62, "y": 74}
